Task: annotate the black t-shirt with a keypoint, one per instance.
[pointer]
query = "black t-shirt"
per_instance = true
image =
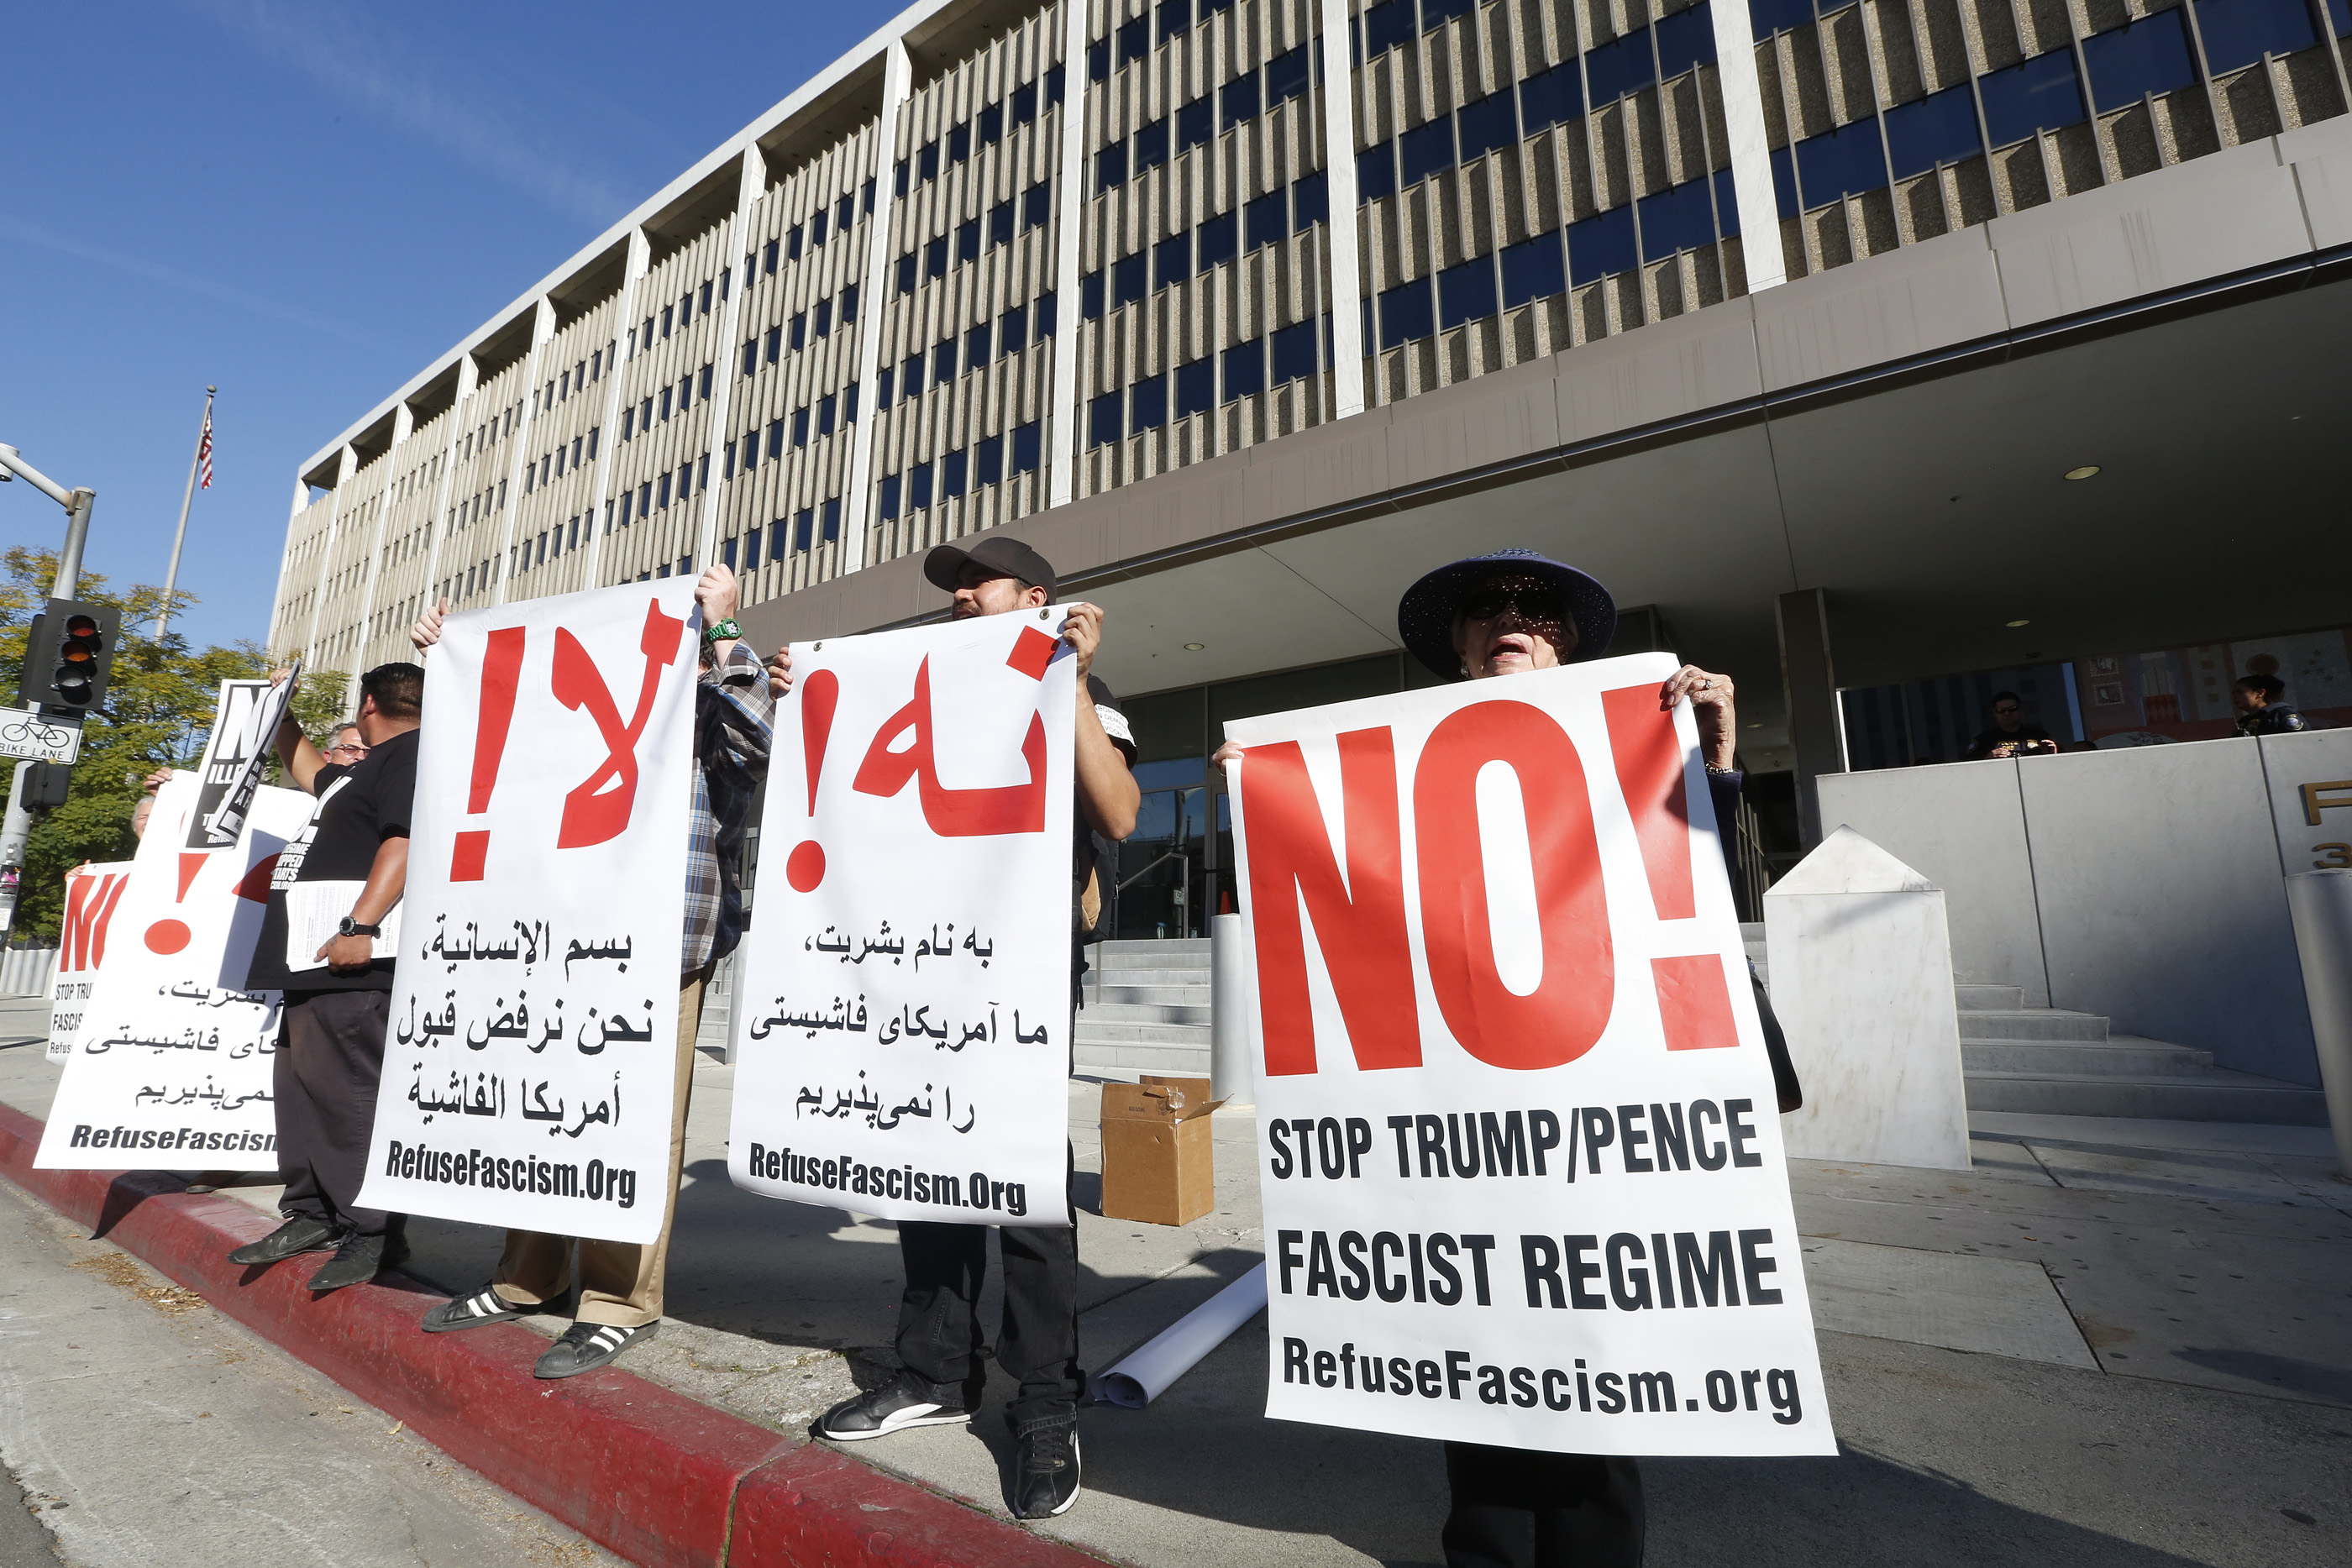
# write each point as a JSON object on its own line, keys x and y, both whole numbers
{"x": 359, "y": 808}
{"x": 1090, "y": 853}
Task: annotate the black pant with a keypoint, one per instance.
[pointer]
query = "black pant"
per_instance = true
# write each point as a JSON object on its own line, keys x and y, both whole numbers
{"x": 330, "y": 1056}
{"x": 1037, "y": 1344}
{"x": 1514, "y": 1507}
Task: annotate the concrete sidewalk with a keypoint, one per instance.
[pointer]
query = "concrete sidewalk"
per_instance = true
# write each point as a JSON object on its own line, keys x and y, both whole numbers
{"x": 2117, "y": 1341}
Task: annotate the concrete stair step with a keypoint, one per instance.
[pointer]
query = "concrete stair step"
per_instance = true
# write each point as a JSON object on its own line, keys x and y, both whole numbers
{"x": 1157, "y": 993}
{"x": 2126, "y": 1056}
{"x": 1146, "y": 977}
{"x": 1174, "y": 1061}
{"x": 2032, "y": 1023}
{"x": 1147, "y": 1012}
{"x": 1976, "y": 998}
{"x": 1176, "y": 951}
{"x": 2217, "y": 1096}
{"x": 1118, "y": 1032}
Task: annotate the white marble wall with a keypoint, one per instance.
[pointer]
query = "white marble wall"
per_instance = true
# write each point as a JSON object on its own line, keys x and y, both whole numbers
{"x": 1861, "y": 980}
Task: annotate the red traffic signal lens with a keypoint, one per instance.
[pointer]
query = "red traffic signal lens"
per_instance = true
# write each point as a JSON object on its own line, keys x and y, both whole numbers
{"x": 82, "y": 626}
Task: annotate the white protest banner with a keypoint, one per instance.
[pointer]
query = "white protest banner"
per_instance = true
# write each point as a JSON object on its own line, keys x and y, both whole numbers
{"x": 171, "y": 1065}
{"x": 91, "y": 893}
{"x": 244, "y": 725}
{"x": 903, "y": 1034}
{"x": 1521, "y": 1166}
{"x": 531, "y": 1065}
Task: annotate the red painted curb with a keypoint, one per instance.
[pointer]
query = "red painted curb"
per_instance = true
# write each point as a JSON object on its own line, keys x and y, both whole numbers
{"x": 656, "y": 1477}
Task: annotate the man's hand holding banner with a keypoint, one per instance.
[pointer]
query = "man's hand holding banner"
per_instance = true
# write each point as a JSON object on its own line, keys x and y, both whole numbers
{"x": 1520, "y": 1166}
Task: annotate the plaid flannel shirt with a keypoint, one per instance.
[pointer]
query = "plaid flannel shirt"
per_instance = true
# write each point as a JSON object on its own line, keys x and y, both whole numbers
{"x": 734, "y": 723}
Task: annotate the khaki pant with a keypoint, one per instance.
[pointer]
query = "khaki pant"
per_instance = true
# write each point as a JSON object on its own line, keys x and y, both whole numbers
{"x": 620, "y": 1282}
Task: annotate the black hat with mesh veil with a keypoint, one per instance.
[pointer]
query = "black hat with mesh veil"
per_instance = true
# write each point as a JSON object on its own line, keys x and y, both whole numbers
{"x": 1426, "y": 614}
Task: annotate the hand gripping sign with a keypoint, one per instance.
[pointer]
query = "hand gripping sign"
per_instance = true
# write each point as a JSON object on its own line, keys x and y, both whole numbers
{"x": 91, "y": 893}
{"x": 170, "y": 1059}
{"x": 903, "y": 1027}
{"x": 530, "y": 1067}
{"x": 245, "y": 723}
{"x": 1521, "y": 1169}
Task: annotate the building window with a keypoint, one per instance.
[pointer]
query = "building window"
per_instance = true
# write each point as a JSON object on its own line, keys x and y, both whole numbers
{"x": 889, "y": 497}
{"x": 988, "y": 465}
{"x": 1244, "y": 365}
{"x": 943, "y": 362}
{"x": 975, "y": 346}
{"x": 1012, "y": 331}
{"x": 953, "y": 468}
{"x": 1196, "y": 387}
{"x": 751, "y": 546}
{"x": 1103, "y": 419}
{"x": 1148, "y": 403}
{"x": 968, "y": 241}
{"x": 832, "y": 519}
{"x": 800, "y": 427}
{"x": 1036, "y": 204}
{"x": 1027, "y": 445}
{"x": 1195, "y": 123}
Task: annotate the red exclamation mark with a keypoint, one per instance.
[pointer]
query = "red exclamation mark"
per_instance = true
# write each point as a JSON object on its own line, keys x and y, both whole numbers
{"x": 1693, "y": 997}
{"x": 168, "y": 937}
{"x": 820, "y": 695}
{"x": 501, "y": 674}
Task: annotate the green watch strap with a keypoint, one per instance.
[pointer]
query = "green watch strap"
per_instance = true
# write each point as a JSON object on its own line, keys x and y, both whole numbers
{"x": 722, "y": 630}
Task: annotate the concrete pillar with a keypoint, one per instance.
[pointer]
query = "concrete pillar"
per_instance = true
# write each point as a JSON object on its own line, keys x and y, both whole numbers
{"x": 1069, "y": 213}
{"x": 469, "y": 378}
{"x": 856, "y": 498}
{"x": 1347, "y": 295}
{"x": 1809, "y": 691}
{"x": 542, "y": 332}
{"x": 1750, "y": 149}
{"x": 640, "y": 262}
{"x": 1861, "y": 979}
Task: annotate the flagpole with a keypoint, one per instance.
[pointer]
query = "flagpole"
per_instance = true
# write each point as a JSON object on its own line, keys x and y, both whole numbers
{"x": 187, "y": 498}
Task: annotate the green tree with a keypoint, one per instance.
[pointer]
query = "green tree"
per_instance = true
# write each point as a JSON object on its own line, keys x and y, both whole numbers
{"x": 157, "y": 712}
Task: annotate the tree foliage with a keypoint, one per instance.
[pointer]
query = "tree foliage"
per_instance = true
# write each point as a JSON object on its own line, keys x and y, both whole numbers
{"x": 156, "y": 712}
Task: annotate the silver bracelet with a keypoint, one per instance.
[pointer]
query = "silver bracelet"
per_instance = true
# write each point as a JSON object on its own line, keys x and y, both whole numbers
{"x": 1715, "y": 772}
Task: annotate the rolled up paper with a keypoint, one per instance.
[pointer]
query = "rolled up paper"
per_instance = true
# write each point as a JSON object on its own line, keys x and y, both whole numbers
{"x": 1144, "y": 1376}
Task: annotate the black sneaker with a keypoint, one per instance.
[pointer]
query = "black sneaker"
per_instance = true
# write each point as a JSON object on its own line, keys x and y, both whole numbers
{"x": 299, "y": 1235}
{"x": 892, "y": 1407}
{"x": 359, "y": 1260}
{"x": 584, "y": 1347}
{"x": 484, "y": 1306}
{"x": 1045, "y": 1470}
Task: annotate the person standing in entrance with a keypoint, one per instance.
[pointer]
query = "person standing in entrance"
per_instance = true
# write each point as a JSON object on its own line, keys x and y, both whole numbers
{"x": 2261, "y": 701}
{"x": 621, "y": 1282}
{"x": 330, "y": 1039}
{"x": 938, "y": 1322}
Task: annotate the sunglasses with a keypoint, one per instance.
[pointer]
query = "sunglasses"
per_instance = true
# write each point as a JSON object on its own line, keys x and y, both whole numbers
{"x": 1532, "y": 603}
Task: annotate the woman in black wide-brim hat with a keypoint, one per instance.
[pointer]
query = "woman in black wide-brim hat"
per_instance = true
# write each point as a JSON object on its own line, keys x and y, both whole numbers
{"x": 1506, "y": 613}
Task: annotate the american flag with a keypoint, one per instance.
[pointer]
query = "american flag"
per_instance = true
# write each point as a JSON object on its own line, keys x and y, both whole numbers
{"x": 205, "y": 452}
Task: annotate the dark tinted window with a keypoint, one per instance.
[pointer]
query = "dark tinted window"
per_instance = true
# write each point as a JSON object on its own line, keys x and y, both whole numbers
{"x": 1151, "y": 145}
{"x": 1600, "y": 244}
{"x": 1012, "y": 331}
{"x": 1310, "y": 202}
{"x": 1134, "y": 40}
{"x": 1196, "y": 386}
{"x": 1172, "y": 260}
{"x": 1466, "y": 293}
{"x": 1294, "y": 352}
{"x": 1487, "y": 125}
{"x": 2238, "y": 32}
{"x": 1376, "y": 172}
{"x": 1220, "y": 239}
{"x": 975, "y": 346}
{"x": 1685, "y": 39}
{"x": 1000, "y": 223}
{"x": 1389, "y": 24}
{"x": 1680, "y": 218}
{"x": 1237, "y": 100}
{"x": 988, "y": 461}
{"x": 1533, "y": 269}
{"x": 1841, "y": 162}
{"x": 1026, "y": 442}
{"x": 1287, "y": 75}
{"x": 954, "y": 469}
{"x": 1129, "y": 280}
{"x": 1195, "y": 123}
{"x": 1406, "y": 312}
{"x": 1245, "y": 369}
{"x": 1424, "y": 151}
{"x": 1111, "y": 167}
{"x": 1938, "y": 128}
{"x": 1266, "y": 220}
{"x": 1148, "y": 401}
{"x": 918, "y": 486}
{"x": 1619, "y": 67}
{"x": 2149, "y": 55}
{"x": 968, "y": 241}
{"x": 2039, "y": 94}
{"x": 889, "y": 497}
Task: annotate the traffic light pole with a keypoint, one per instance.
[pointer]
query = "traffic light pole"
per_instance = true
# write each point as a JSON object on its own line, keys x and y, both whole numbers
{"x": 18, "y": 827}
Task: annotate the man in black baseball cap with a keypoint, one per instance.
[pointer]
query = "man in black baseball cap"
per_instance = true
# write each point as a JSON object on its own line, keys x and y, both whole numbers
{"x": 938, "y": 1336}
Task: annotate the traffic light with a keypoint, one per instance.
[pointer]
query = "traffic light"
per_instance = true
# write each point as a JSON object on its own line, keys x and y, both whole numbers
{"x": 67, "y": 653}
{"x": 46, "y": 784}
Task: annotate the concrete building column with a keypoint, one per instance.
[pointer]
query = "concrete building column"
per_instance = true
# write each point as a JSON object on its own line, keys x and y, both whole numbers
{"x": 897, "y": 87}
{"x": 542, "y": 332}
{"x": 469, "y": 378}
{"x": 752, "y": 186}
{"x": 640, "y": 262}
{"x": 1343, "y": 226}
{"x": 1809, "y": 691}
{"x": 1751, "y": 153}
{"x": 347, "y": 464}
{"x": 1069, "y": 217}
{"x": 404, "y": 425}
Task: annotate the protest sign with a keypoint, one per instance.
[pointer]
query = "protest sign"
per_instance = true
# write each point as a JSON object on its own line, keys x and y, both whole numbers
{"x": 1521, "y": 1169}
{"x": 244, "y": 723}
{"x": 171, "y": 1063}
{"x": 531, "y": 1065}
{"x": 91, "y": 893}
{"x": 902, "y": 1037}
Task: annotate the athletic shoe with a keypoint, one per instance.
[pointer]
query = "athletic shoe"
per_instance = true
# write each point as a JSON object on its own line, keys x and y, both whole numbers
{"x": 484, "y": 1306}
{"x": 892, "y": 1407}
{"x": 359, "y": 1260}
{"x": 584, "y": 1347}
{"x": 299, "y": 1235}
{"x": 1045, "y": 1470}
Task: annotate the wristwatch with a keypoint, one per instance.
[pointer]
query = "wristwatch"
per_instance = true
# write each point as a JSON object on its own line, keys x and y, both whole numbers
{"x": 347, "y": 926}
{"x": 721, "y": 631}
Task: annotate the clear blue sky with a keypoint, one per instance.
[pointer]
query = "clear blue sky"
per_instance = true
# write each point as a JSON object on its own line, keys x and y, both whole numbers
{"x": 303, "y": 202}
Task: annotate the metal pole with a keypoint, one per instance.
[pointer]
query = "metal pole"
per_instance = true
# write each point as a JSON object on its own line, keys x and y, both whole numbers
{"x": 11, "y": 848}
{"x": 187, "y": 498}
{"x": 77, "y": 530}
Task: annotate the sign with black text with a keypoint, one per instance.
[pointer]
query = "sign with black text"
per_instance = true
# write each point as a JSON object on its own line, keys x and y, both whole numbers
{"x": 91, "y": 893}
{"x": 1519, "y": 1157}
{"x": 902, "y": 1039}
{"x": 172, "y": 1056}
{"x": 530, "y": 1068}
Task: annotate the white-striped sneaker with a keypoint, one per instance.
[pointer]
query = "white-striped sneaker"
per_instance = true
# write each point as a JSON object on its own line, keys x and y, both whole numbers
{"x": 484, "y": 1306}
{"x": 892, "y": 1407}
{"x": 584, "y": 1347}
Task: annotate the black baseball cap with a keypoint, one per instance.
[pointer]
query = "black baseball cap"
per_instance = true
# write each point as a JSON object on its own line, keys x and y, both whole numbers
{"x": 998, "y": 554}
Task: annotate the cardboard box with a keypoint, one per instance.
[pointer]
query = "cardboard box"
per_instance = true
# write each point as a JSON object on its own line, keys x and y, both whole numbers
{"x": 1158, "y": 1161}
